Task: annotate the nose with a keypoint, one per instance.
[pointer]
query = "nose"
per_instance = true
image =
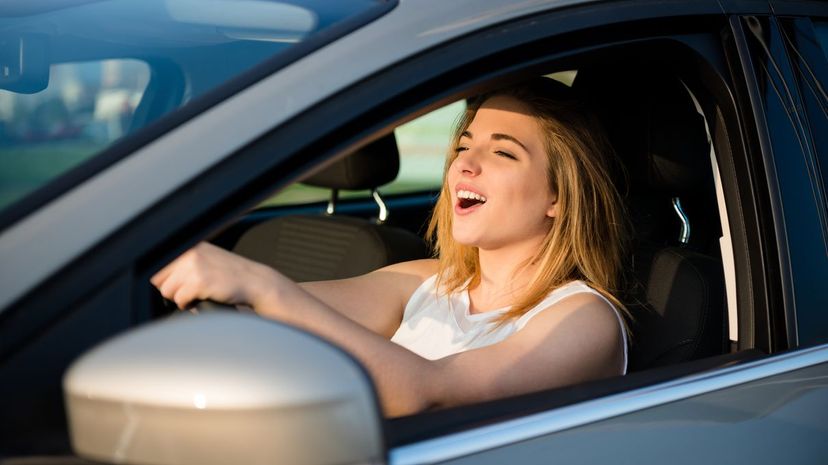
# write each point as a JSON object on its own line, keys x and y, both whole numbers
{"x": 468, "y": 163}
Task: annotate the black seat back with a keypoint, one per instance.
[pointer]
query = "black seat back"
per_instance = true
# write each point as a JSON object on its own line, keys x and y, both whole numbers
{"x": 676, "y": 288}
{"x": 322, "y": 247}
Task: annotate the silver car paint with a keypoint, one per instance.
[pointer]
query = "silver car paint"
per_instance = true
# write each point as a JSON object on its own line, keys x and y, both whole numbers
{"x": 769, "y": 421}
{"x": 95, "y": 209}
{"x": 221, "y": 388}
{"x": 734, "y": 392}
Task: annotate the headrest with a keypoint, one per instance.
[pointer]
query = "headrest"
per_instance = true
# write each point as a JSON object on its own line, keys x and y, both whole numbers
{"x": 653, "y": 125}
{"x": 369, "y": 167}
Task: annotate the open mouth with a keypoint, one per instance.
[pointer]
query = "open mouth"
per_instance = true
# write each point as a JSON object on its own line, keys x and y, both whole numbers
{"x": 467, "y": 199}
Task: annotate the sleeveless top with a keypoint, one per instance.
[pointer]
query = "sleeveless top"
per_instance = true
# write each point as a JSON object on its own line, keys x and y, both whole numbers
{"x": 436, "y": 325}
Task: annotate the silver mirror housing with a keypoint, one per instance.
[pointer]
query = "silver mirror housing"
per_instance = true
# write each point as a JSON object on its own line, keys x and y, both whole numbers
{"x": 221, "y": 388}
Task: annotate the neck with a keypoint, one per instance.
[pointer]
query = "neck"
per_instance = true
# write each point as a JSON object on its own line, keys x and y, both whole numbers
{"x": 505, "y": 273}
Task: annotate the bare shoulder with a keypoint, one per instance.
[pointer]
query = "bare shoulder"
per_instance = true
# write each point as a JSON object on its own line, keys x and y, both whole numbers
{"x": 421, "y": 268}
{"x": 405, "y": 277}
{"x": 583, "y": 325}
{"x": 375, "y": 300}
{"x": 584, "y": 311}
{"x": 574, "y": 340}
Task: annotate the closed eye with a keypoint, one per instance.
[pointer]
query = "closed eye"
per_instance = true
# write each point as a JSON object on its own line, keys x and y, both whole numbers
{"x": 506, "y": 154}
{"x": 460, "y": 149}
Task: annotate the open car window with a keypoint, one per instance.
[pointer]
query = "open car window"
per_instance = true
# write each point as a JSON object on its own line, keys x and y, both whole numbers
{"x": 422, "y": 145}
{"x": 679, "y": 221}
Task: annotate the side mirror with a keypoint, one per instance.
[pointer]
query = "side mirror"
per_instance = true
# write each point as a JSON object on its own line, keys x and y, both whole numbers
{"x": 24, "y": 63}
{"x": 221, "y": 388}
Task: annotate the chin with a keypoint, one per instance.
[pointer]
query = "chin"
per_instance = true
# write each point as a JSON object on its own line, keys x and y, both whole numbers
{"x": 465, "y": 238}
{"x": 466, "y": 241}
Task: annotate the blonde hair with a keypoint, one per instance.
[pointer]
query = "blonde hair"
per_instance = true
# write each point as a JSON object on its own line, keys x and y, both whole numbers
{"x": 588, "y": 236}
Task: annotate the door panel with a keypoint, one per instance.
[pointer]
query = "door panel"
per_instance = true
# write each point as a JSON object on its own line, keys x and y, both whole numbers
{"x": 780, "y": 419}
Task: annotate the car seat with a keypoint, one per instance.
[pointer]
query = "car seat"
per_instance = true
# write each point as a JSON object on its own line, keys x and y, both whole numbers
{"x": 676, "y": 292}
{"x": 332, "y": 246}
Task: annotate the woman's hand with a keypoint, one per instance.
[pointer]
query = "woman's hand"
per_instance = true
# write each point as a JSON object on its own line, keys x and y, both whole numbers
{"x": 207, "y": 272}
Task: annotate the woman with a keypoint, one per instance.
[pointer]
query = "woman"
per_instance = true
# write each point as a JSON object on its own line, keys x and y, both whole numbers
{"x": 529, "y": 235}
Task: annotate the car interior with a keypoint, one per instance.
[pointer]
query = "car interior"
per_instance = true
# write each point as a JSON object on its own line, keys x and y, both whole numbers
{"x": 675, "y": 289}
{"x": 335, "y": 246}
{"x": 677, "y": 295}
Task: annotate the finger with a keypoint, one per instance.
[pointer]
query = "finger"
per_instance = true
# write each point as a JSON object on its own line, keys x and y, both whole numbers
{"x": 170, "y": 286}
{"x": 184, "y": 298}
{"x": 158, "y": 278}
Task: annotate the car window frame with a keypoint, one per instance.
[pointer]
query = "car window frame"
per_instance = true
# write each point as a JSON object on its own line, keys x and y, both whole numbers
{"x": 202, "y": 214}
{"x": 162, "y": 233}
{"x": 354, "y": 100}
{"x": 620, "y": 386}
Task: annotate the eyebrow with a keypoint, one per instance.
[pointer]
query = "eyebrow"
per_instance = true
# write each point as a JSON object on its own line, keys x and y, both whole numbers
{"x": 498, "y": 136}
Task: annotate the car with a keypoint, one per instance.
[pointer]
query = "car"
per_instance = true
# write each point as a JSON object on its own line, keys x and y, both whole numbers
{"x": 130, "y": 130}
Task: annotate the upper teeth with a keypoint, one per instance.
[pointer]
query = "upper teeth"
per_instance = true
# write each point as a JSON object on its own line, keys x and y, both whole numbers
{"x": 470, "y": 195}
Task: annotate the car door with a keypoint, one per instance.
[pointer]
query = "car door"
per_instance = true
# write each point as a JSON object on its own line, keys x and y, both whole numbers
{"x": 767, "y": 410}
{"x": 723, "y": 402}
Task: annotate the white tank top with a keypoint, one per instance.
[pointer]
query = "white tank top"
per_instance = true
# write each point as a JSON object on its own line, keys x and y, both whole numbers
{"x": 435, "y": 326}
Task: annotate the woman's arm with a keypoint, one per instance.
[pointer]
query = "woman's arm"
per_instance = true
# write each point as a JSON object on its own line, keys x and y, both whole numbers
{"x": 371, "y": 307}
{"x": 375, "y": 300}
{"x": 577, "y": 339}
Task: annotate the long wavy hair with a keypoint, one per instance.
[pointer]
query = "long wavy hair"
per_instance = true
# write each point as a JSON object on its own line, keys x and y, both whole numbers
{"x": 588, "y": 237}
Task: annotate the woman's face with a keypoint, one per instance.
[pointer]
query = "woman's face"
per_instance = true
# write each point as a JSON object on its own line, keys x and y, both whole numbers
{"x": 498, "y": 181}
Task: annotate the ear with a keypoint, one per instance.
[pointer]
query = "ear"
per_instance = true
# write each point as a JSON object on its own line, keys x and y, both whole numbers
{"x": 552, "y": 211}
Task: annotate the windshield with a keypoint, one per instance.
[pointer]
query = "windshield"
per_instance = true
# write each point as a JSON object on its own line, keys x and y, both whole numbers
{"x": 76, "y": 76}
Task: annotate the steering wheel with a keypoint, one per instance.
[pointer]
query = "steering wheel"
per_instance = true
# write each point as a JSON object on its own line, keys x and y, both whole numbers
{"x": 208, "y": 306}
{"x": 204, "y": 306}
